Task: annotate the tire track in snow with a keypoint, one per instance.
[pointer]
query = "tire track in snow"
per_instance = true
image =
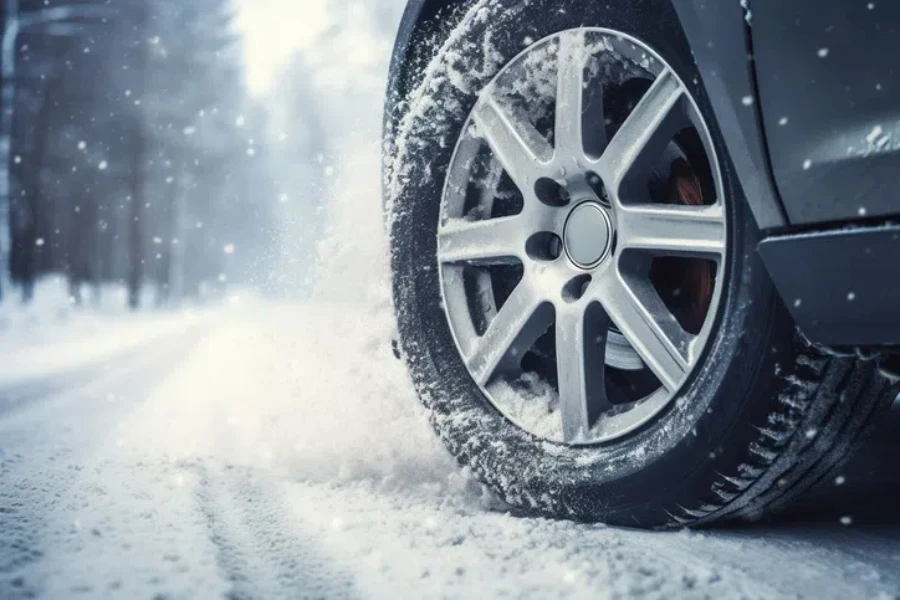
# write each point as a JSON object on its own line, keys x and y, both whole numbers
{"x": 260, "y": 551}
{"x": 38, "y": 459}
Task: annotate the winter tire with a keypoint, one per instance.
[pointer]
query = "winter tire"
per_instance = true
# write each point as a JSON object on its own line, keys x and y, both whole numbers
{"x": 579, "y": 298}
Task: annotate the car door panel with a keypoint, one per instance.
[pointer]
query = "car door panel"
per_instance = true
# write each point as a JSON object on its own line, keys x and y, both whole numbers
{"x": 829, "y": 90}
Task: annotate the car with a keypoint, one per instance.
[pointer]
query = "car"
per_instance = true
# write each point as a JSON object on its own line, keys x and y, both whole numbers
{"x": 644, "y": 252}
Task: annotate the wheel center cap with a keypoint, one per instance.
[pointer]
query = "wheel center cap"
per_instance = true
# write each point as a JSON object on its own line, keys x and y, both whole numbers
{"x": 588, "y": 234}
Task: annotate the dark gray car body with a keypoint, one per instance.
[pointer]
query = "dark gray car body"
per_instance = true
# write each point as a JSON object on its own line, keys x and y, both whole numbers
{"x": 807, "y": 96}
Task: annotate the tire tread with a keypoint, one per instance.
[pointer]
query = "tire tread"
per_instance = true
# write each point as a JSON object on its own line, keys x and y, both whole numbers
{"x": 833, "y": 399}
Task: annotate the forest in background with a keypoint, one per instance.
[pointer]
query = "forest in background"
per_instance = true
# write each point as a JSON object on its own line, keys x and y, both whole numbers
{"x": 137, "y": 156}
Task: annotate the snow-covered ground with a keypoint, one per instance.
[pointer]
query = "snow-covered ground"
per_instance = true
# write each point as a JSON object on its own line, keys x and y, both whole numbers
{"x": 278, "y": 452}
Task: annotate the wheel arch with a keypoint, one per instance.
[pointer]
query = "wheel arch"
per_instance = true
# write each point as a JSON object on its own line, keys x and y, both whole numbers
{"x": 718, "y": 35}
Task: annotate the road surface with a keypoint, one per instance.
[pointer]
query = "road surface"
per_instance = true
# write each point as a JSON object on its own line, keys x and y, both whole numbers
{"x": 281, "y": 454}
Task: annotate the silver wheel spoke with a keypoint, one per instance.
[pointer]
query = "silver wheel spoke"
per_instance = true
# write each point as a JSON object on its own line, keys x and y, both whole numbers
{"x": 648, "y": 326}
{"x": 644, "y": 128}
{"x": 522, "y": 319}
{"x": 579, "y": 111}
{"x": 580, "y": 348}
{"x": 486, "y": 242}
{"x": 673, "y": 230}
{"x": 517, "y": 144}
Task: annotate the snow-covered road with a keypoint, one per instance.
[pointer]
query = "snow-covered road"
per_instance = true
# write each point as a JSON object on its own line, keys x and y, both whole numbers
{"x": 279, "y": 453}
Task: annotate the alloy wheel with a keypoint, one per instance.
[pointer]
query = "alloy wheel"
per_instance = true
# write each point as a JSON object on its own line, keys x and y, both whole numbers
{"x": 582, "y": 237}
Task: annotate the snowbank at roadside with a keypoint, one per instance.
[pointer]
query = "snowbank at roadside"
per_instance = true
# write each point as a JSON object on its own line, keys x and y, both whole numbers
{"x": 52, "y": 335}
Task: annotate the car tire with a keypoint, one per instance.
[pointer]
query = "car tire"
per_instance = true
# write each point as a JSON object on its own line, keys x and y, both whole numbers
{"x": 763, "y": 415}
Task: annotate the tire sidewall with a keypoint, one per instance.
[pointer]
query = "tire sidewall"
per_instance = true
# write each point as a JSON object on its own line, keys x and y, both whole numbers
{"x": 678, "y": 450}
